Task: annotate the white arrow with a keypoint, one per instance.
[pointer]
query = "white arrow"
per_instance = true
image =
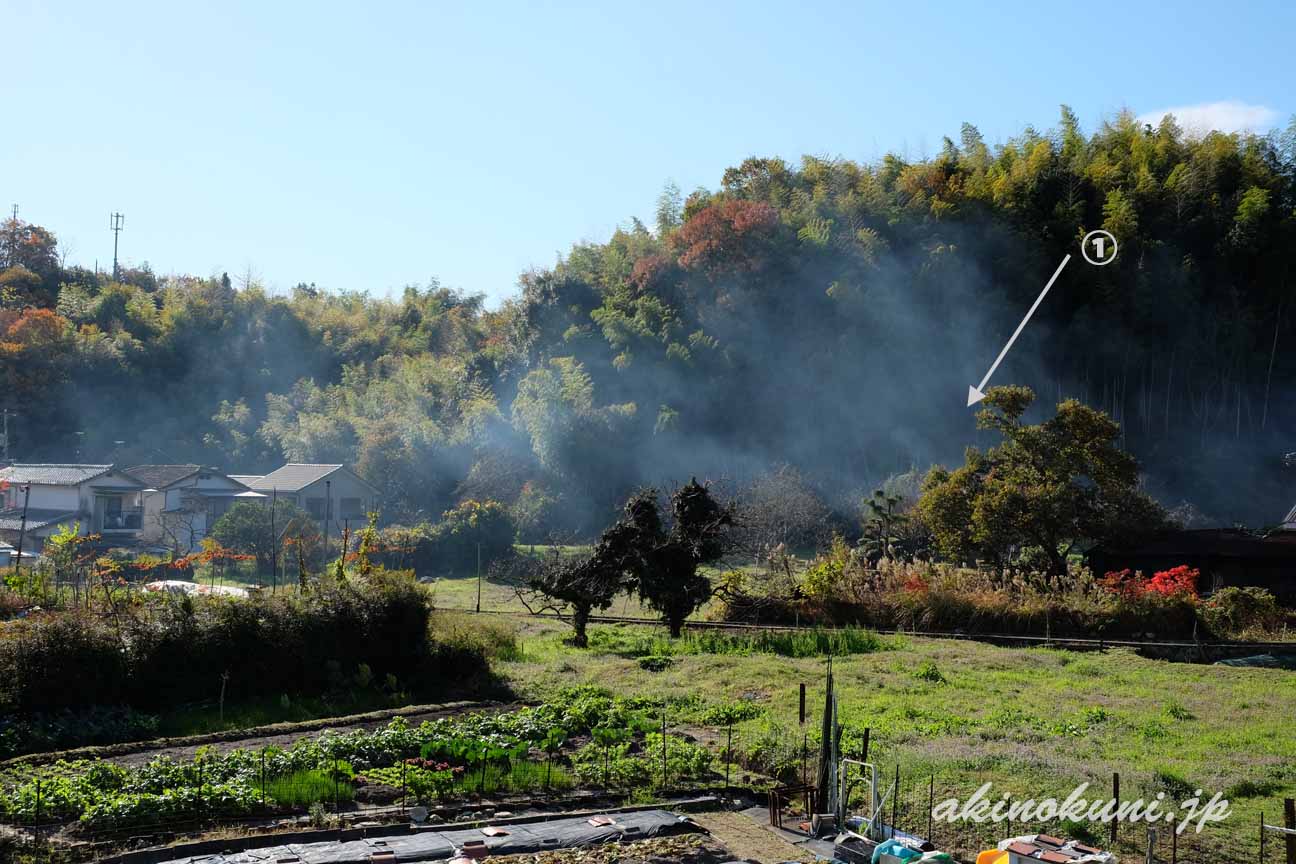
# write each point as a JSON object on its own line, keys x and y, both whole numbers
{"x": 975, "y": 394}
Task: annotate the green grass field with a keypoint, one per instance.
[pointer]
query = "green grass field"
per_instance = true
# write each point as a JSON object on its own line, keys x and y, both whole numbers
{"x": 1032, "y": 721}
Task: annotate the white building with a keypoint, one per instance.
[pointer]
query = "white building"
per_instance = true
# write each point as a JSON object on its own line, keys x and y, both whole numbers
{"x": 182, "y": 502}
{"x": 329, "y": 493}
{"x": 99, "y": 499}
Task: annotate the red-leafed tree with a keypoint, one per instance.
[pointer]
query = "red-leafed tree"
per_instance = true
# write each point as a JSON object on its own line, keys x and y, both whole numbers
{"x": 732, "y": 236}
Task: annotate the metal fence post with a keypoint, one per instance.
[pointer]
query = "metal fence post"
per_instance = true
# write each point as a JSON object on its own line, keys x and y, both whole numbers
{"x": 1116, "y": 809}
{"x": 263, "y": 779}
{"x": 931, "y": 803}
{"x": 728, "y": 756}
{"x": 664, "y": 769}
{"x": 1289, "y": 821}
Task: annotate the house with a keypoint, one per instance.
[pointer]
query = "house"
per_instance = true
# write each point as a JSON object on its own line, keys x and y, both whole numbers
{"x": 330, "y": 493}
{"x": 1225, "y": 557}
{"x": 1289, "y": 524}
{"x": 182, "y": 502}
{"x": 100, "y": 499}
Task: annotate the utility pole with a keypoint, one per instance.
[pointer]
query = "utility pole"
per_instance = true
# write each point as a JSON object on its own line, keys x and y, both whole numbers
{"x": 274, "y": 542}
{"x": 15, "y": 212}
{"x": 115, "y": 223}
{"x": 22, "y": 529}
{"x": 6, "y": 413}
{"x": 328, "y": 500}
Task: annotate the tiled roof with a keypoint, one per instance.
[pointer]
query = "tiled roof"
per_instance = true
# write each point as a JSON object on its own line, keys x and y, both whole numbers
{"x": 246, "y": 479}
{"x": 11, "y": 519}
{"x": 292, "y": 477}
{"x": 161, "y": 476}
{"x": 52, "y": 474}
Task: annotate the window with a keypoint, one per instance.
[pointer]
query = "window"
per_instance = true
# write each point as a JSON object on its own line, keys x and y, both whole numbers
{"x": 315, "y": 507}
{"x": 352, "y": 508}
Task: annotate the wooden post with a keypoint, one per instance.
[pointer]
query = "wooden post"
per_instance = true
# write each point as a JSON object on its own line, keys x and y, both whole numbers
{"x": 1174, "y": 846}
{"x": 802, "y": 703}
{"x": 1289, "y": 822}
{"x": 1115, "y": 798}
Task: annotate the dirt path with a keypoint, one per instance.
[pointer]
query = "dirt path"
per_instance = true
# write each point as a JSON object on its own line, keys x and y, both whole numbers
{"x": 749, "y": 840}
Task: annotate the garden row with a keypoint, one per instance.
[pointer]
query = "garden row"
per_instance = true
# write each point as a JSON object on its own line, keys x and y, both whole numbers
{"x": 583, "y": 736}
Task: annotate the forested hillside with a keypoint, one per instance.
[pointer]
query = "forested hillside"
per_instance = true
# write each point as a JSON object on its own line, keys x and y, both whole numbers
{"x": 829, "y": 316}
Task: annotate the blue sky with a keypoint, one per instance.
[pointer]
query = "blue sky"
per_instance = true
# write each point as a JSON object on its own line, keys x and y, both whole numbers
{"x": 365, "y": 146}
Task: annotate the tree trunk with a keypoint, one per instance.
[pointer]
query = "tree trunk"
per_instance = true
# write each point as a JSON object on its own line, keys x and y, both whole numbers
{"x": 675, "y": 621}
{"x": 580, "y": 619}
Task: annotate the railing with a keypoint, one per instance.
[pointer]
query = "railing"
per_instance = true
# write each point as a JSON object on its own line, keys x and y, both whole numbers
{"x": 126, "y": 520}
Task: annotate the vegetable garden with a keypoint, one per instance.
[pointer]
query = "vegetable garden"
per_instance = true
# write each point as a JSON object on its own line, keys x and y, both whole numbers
{"x": 583, "y": 737}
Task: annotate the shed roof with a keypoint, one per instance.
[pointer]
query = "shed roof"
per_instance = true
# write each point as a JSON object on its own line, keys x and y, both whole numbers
{"x": 52, "y": 474}
{"x": 11, "y": 519}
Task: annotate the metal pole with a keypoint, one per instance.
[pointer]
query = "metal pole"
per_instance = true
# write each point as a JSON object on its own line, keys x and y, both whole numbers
{"x": 729, "y": 756}
{"x": 663, "y": 745}
{"x": 1289, "y": 820}
{"x": 22, "y": 528}
{"x": 1116, "y": 798}
{"x": 7, "y": 412}
{"x": 479, "y": 576}
{"x": 931, "y": 803}
{"x": 274, "y": 543}
{"x": 328, "y": 499}
{"x": 895, "y": 801}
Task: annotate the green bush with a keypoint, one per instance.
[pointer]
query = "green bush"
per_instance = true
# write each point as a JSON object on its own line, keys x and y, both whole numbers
{"x": 1233, "y": 611}
{"x": 173, "y": 650}
{"x": 451, "y": 545}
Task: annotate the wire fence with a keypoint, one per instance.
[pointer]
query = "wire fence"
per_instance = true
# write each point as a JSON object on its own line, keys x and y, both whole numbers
{"x": 664, "y": 767}
{"x": 910, "y": 804}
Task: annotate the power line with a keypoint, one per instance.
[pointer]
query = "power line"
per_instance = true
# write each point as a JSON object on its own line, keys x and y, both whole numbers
{"x": 115, "y": 224}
